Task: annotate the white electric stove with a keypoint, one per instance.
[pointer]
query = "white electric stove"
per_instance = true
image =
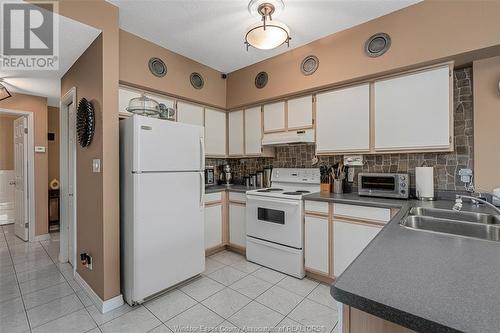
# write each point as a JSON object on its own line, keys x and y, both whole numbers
{"x": 274, "y": 220}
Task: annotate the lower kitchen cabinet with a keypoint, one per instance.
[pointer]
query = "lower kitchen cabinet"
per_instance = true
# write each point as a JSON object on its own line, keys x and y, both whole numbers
{"x": 213, "y": 226}
{"x": 349, "y": 240}
{"x": 237, "y": 227}
{"x": 316, "y": 244}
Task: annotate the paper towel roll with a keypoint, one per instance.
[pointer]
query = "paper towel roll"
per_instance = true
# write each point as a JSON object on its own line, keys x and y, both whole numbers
{"x": 424, "y": 178}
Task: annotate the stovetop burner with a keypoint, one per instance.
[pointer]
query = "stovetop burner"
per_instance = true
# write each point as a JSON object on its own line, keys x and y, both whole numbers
{"x": 270, "y": 190}
{"x": 303, "y": 191}
{"x": 293, "y": 193}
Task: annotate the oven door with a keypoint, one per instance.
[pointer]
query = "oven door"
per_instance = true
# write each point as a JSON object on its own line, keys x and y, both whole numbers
{"x": 275, "y": 220}
{"x": 377, "y": 184}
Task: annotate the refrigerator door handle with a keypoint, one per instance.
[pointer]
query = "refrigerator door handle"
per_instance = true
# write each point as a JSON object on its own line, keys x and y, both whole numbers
{"x": 202, "y": 153}
{"x": 202, "y": 189}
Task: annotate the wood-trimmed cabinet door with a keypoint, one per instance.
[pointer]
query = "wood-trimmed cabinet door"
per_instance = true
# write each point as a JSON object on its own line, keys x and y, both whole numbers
{"x": 253, "y": 131}
{"x": 349, "y": 240}
{"x": 300, "y": 113}
{"x": 236, "y": 133}
{"x": 237, "y": 226}
{"x": 190, "y": 114}
{"x": 414, "y": 111}
{"x": 215, "y": 133}
{"x": 213, "y": 226}
{"x": 343, "y": 120}
{"x": 274, "y": 117}
{"x": 316, "y": 244}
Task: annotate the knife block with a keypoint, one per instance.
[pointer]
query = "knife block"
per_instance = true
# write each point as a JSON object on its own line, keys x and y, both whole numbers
{"x": 325, "y": 187}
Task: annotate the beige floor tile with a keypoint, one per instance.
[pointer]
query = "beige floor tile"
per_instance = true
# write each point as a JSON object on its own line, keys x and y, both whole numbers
{"x": 226, "y": 302}
{"x": 279, "y": 299}
{"x": 169, "y": 305}
{"x": 136, "y": 321}
{"x": 251, "y": 286}
{"x": 196, "y": 319}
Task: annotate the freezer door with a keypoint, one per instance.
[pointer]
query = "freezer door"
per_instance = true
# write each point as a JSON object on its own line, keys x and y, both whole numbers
{"x": 161, "y": 145}
{"x": 168, "y": 230}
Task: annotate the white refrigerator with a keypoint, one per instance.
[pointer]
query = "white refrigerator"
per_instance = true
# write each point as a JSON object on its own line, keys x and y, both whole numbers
{"x": 161, "y": 196}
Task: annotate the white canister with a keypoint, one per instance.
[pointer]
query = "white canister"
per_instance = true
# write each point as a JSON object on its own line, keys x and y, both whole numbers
{"x": 496, "y": 201}
{"x": 424, "y": 179}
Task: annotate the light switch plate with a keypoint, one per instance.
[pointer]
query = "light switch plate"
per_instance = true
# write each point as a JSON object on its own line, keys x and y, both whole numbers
{"x": 39, "y": 149}
{"x": 96, "y": 165}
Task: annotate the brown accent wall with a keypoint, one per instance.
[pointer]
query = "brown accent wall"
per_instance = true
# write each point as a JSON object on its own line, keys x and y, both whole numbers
{"x": 7, "y": 142}
{"x": 53, "y": 146}
{"x": 37, "y": 105}
{"x": 487, "y": 123}
{"x": 135, "y": 53}
{"x": 428, "y": 32}
{"x": 97, "y": 79}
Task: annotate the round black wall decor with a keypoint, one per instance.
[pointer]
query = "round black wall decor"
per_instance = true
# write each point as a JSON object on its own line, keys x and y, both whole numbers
{"x": 157, "y": 67}
{"x": 261, "y": 80}
{"x": 196, "y": 80}
{"x": 85, "y": 122}
{"x": 377, "y": 44}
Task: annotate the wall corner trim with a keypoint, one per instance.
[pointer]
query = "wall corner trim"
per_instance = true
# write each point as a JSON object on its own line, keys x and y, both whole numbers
{"x": 102, "y": 306}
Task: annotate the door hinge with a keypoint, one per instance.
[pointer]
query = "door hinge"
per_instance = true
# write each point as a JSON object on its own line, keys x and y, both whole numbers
{"x": 26, "y": 225}
{"x": 449, "y": 139}
{"x": 26, "y": 130}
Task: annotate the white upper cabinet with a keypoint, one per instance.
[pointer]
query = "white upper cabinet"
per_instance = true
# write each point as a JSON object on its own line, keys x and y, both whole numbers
{"x": 236, "y": 139}
{"x": 189, "y": 113}
{"x": 274, "y": 117}
{"x": 343, "y": 120}
{"x": 215, "y": 133}
{"x": 300, "y": 114}
{"x": 253, "y": 131}
{"x": 413, "y": 111}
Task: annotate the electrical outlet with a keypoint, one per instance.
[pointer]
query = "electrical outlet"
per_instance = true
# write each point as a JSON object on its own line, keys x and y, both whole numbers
{"x": 96, "y": 165}
{"x": 350, "y": 175}
{"x": 465, "y": 175}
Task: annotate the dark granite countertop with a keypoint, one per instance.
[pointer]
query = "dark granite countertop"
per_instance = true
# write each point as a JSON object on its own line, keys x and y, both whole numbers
{"x": 424, "y": 281}
{"x": 229, "y": 188}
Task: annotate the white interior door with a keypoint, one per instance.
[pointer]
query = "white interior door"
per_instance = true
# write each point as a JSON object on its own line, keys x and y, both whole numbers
{"x": 71, "y": 184}
{"x": 21, "y": 227}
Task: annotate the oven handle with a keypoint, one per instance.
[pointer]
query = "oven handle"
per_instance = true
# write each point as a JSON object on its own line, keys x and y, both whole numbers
{"x": 286, "y": 202}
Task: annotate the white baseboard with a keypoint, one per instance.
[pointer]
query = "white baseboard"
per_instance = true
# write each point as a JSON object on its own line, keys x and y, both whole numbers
{"x": 102, "y": 306}
{"x": 41, "y": 238}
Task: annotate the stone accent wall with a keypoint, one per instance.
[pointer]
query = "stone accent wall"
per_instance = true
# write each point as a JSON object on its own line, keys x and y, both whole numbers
{"x": 446, "y": 165}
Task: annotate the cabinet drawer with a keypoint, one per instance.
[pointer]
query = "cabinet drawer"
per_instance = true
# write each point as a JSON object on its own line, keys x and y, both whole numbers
{"x": 213, "y": 197}
{"x": 362, "y": 212}
{"x": 238, "y": 197}
{"x": 316, "y": 207}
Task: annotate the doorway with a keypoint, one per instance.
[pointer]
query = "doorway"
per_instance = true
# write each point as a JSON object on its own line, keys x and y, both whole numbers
{"x": 18, "y": 186}
{"x": 68, "y": 220}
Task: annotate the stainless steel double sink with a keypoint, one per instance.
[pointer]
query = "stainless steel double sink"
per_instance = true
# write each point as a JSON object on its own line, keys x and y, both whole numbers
{"x": 456, "y": 223}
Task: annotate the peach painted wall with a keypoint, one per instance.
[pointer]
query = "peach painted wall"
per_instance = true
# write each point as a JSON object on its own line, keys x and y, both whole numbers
{"x": 428, "y": 32}
{"x": 53, "y": 146}
{"x": 96, "y": 76}
{"x": 7, "y": 142}
{"x": 486, "y": 81}
{"x": 38, "y": 106}
{"x": 135, "y": 53}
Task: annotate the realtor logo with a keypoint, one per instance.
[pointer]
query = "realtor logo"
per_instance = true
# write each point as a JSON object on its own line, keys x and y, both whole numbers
{"x": 29, "y": 37}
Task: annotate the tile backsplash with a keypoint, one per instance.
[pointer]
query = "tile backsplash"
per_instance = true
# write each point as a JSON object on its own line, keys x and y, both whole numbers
{"x": 446, "y": 165}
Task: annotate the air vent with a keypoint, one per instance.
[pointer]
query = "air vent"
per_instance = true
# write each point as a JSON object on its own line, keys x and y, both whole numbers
{"x": 261, "y": 80}
{"x": 197, "y": 80}
{"x": 309, "y": 65}
{"x": 157, "y": 67}
{"x": 377, "y": 44}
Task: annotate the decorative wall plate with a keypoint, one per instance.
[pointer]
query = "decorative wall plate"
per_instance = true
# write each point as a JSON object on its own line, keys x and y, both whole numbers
{"x": 85, "y": 122}
{"x": 261, "y": 80}
{"x": 196, "y": 80}
{"x": 377, "y": 44}
{"x": 309, "y": 65}
{"x": 157, "y": 67}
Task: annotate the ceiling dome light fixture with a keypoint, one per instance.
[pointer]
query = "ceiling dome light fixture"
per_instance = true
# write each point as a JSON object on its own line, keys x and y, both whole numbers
{"x": 267, "y": 34}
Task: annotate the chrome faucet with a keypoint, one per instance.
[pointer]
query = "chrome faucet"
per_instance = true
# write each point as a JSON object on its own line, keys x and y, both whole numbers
{"x": 458, "y": 202}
